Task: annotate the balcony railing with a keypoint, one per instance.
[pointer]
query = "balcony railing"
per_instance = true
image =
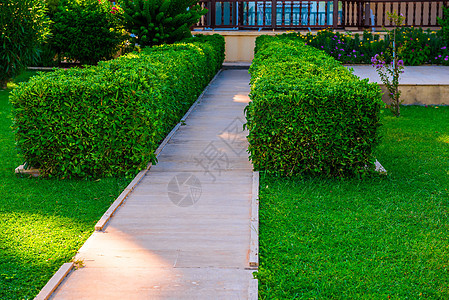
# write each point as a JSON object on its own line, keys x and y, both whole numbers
{"x": 281, "y": 14}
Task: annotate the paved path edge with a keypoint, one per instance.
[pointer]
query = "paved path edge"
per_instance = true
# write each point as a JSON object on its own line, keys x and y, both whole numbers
{"x": 65, "y": 269}
{"x": 253, "y": 289}
{"x": 55, "y": 281}
{"x": 254, "y": 246}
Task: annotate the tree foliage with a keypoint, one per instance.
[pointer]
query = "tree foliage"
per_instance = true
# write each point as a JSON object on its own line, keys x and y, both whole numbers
{"x": 23, "y": 25}
{"x": 155, "y": 22}
{"x": 86, "y": 30}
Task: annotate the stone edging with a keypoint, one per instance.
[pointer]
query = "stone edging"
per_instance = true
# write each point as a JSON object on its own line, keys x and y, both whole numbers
{"x": 54, "y": 282}
{"x": 65, "y": 269}
{"x": 254, "y": 242}
{"x": 253, "y": 288}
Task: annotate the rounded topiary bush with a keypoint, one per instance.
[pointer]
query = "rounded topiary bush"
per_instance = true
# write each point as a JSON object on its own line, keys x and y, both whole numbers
{"x": 308, "y": 113}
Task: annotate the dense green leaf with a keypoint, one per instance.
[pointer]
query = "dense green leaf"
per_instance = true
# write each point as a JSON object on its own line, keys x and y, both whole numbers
{"x": 107, "y": 120}
{"x": 309, "y": 114}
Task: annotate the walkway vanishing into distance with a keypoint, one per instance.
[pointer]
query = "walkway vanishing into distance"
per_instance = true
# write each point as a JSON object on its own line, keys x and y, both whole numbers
{"x": 184, "y": 231}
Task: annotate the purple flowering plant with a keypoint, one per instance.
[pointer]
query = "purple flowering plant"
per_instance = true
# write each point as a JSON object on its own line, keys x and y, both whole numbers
{"x": 389, "y": 72}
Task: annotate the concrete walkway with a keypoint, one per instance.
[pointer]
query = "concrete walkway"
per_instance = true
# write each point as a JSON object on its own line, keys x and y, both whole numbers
{"x": 184, "y": 232}
{"x": 419, "y": 85}
{"x": 418, "y": 75}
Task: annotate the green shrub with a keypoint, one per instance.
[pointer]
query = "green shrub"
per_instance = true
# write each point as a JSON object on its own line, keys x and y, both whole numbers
{"x": 155, "y": 22}
{"x": 86, "y": 30}
{"x": 417, "y": 46}
{"x": 444, "y": 23}
{"x": 107, "y": 120}
{"x": 345, "y": 47}
{"x": 23, "y": 25}
{"x": 308, "y": 113}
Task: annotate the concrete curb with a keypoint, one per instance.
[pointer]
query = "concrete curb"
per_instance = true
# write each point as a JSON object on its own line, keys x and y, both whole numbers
{"x": 32, "y": 172}
{"x": 54, "y": 282}
{"x": 254, "y": 246}
{"x": 65, "y": 269}
{"x": 42, "y": 68}
{"x": 253, "y": 289}
{"x": 380, "y": 168}
{"x": 236, "y": 65}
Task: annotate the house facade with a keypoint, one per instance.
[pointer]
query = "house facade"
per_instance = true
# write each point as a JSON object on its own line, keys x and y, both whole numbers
{"x": 347, "y": 15}
{"x": 241, "y": 21}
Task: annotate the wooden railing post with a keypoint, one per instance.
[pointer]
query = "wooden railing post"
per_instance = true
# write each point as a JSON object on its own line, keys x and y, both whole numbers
{"x": 355, "y": 13}
{"x": 213, "y": 14}
{"x": 367, "y": 9}
{"x": 359, "y": 14}
{"x": 335, "y": 15}
{"x": 240, "y": 12}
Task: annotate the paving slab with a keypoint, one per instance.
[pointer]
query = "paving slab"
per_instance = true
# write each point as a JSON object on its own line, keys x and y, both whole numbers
{"x": 419, "y": 85}
{"x": 160, "y": 283}
{"x": 419, "y": 75}
{"x": 184, "y": 232}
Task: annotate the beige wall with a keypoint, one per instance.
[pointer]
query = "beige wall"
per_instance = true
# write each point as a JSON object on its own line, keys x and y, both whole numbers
{"x": 239, "y": 44}
{"x": 421, "y": 94}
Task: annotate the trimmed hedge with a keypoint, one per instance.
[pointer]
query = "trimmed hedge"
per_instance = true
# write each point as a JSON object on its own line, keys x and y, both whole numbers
{"x": 309, "y": 114}
{"x": 108, "y": 120}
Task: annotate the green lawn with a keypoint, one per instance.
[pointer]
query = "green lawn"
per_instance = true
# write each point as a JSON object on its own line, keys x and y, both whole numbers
{"x": 379, "y": 238}
{"x": 42, "y": 222}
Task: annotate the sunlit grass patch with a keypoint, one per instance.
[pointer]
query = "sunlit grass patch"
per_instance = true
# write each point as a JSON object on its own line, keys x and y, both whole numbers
{"x": 377, "y": 238}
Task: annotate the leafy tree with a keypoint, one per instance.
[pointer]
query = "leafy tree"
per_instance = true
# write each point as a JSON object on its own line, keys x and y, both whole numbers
{"x": 86, "y": 30}
{"x": 23, "y": 25}
{"x": 154, "y": 22}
